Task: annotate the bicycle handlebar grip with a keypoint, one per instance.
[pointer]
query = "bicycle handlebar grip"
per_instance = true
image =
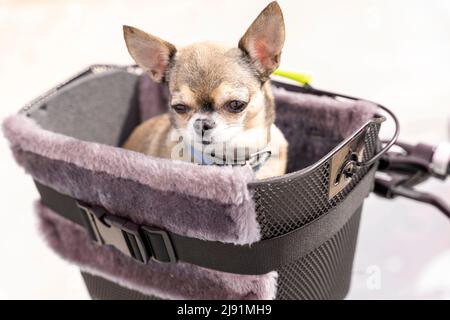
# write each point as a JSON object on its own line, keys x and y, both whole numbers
{"x": 440, "y": 163}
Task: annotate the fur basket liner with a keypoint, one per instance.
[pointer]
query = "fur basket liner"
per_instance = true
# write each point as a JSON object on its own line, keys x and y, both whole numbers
{"x": 75, "y": 154}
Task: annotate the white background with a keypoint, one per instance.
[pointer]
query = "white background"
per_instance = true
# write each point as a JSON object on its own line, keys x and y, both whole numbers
{"x": 393, "y": 52}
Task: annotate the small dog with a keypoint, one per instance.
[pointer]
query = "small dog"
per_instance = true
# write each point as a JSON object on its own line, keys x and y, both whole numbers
{"x": 221, "y": 106}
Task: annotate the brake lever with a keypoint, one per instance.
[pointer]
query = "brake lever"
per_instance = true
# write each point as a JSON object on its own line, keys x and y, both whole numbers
{"x": 406, "y": 171}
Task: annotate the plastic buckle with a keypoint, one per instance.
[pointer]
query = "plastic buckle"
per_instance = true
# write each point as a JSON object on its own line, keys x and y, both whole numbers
{"x": 258, "y": 159}
{"x": 141, "y": 243}
{"x": 106, "y": 229}
{"x": 160, "y": 244}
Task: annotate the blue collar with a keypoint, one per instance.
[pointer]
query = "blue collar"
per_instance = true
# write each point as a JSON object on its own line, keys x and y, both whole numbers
{"x": 255, "y": 160}
{"x": 202, "y": 158}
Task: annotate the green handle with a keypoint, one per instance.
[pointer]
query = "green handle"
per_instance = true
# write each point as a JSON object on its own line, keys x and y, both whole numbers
{"x": 299, "y": 77}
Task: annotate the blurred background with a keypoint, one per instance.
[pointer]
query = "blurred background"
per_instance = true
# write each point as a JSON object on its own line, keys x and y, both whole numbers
{"x": 393, "y": 52}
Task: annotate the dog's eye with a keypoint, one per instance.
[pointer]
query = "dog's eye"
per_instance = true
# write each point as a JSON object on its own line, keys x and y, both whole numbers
{"x": 235, "y": 106}
{"x": 180, "y": 108}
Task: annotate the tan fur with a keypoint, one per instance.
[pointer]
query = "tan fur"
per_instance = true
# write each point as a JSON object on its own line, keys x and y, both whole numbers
{"x": 152, "y": 137}
{"x": 205, "y": 77}
{"x": 276, "y": 165}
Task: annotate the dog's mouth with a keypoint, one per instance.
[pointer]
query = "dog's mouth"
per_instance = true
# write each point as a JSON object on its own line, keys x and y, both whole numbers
{"x": 206, "y": 142}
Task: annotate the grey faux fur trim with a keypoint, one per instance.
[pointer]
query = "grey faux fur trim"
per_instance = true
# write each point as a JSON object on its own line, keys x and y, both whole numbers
{"x": 158, "y": 173}
{"x": 177, "y": 196}
{"x": 180, "y": 281}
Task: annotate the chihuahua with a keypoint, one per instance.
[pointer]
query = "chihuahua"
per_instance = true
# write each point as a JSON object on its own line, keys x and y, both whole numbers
{"x": 221, "y": 108}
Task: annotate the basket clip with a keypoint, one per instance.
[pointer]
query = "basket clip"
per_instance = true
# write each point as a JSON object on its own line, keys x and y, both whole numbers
{"x": 346, "y": 162}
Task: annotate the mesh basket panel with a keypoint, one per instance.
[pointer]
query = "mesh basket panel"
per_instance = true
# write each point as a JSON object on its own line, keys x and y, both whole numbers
{"x": 291, "y": 203}
{"x": 325, "y": 272}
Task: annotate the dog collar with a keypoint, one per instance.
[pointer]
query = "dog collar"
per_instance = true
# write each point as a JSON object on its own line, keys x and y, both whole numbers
{"x": 255, "y": 160}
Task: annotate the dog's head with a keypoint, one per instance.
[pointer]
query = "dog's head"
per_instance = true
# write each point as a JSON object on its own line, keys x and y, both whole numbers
{"x": 218, "y": 94}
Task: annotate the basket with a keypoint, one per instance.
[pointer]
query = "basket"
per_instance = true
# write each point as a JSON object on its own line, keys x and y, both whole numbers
{"x": 303, "y": 226}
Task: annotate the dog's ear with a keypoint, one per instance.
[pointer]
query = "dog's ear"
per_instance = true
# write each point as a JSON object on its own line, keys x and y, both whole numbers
{"x": 264, "y": 40}
{"x": 151, "y": 53}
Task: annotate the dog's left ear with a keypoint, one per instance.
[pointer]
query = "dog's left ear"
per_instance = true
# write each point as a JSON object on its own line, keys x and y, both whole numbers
{"x": 264, "y": 40}
{"x": 151, "y": 53}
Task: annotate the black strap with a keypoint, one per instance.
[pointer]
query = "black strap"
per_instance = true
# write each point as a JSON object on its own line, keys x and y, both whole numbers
{"x": 258, "y": 258}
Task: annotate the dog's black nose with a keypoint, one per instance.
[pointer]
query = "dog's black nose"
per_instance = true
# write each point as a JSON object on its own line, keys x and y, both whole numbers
{"x": 203, "y": 125}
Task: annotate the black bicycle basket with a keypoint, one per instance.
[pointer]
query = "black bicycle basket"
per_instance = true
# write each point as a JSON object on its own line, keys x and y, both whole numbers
{"x": 307, "y": 220}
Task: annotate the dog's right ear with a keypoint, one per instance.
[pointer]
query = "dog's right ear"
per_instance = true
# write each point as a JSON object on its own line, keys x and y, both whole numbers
{"x": 151, "y": 53}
